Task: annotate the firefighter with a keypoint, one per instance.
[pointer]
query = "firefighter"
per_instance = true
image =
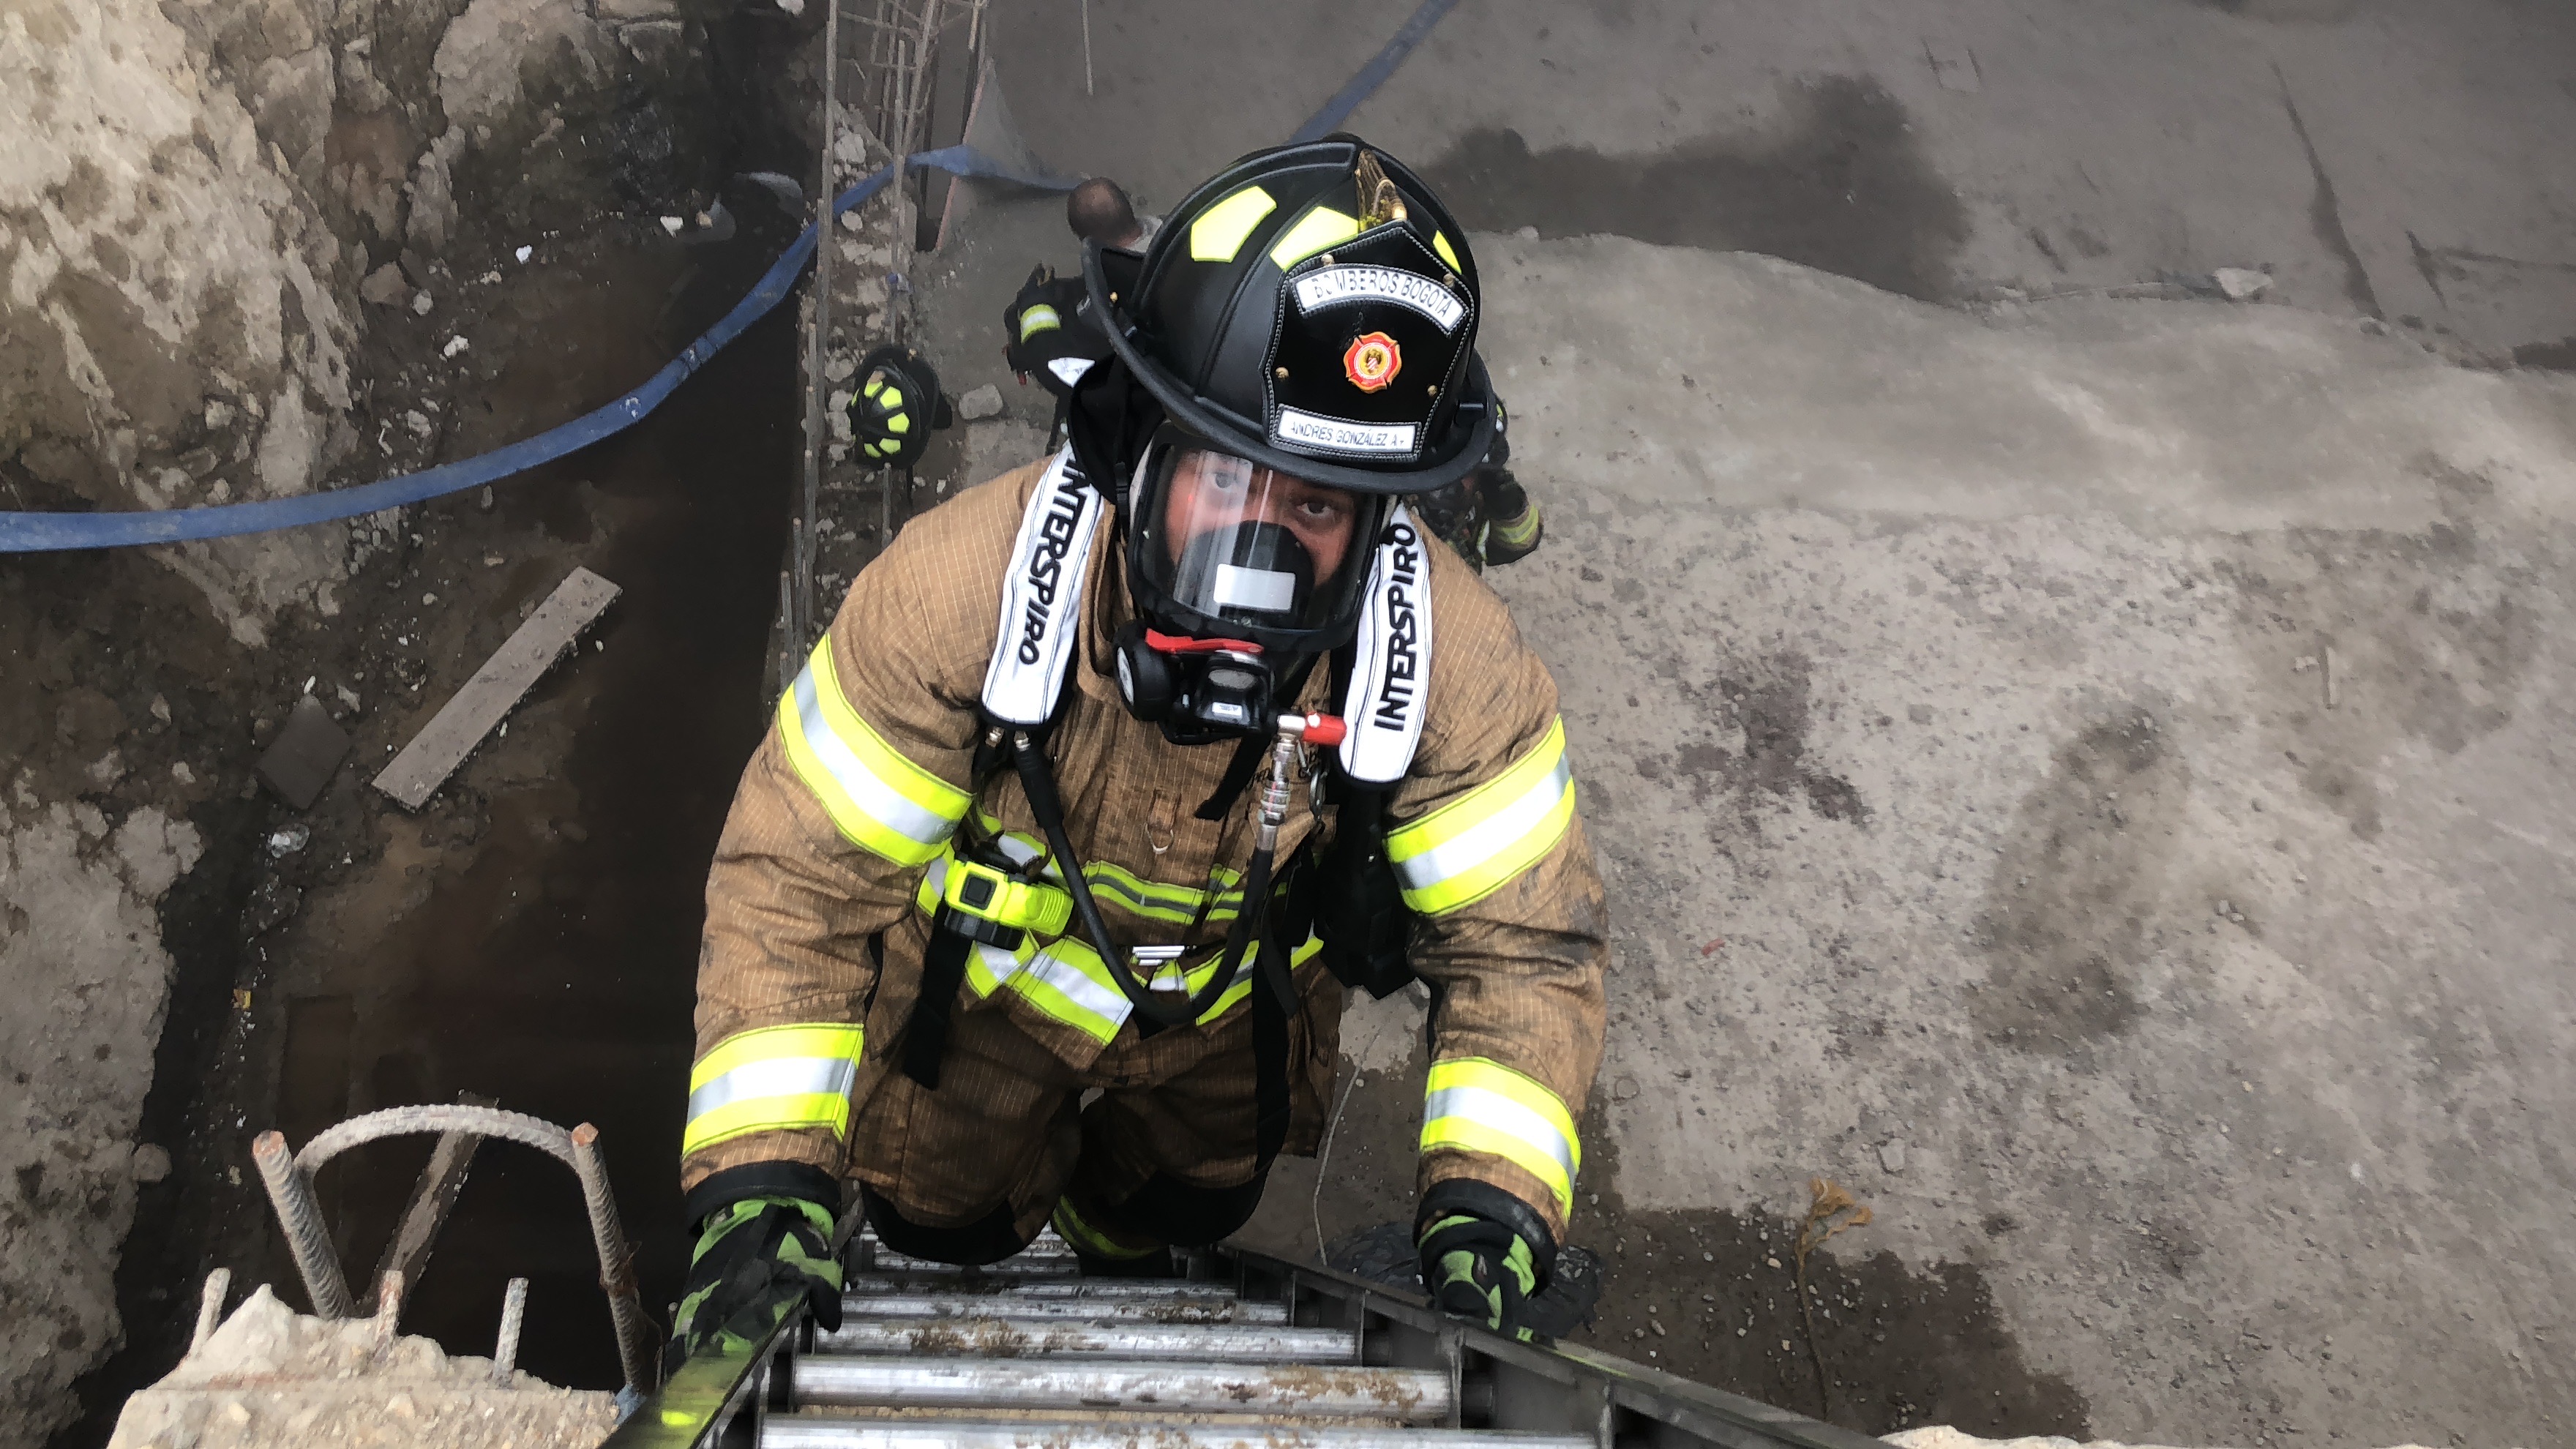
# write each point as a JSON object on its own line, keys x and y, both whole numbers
{"x": 1486, "y": 516}
{"x": 1048, "y": 330}
{"x": 1040, "y": 899}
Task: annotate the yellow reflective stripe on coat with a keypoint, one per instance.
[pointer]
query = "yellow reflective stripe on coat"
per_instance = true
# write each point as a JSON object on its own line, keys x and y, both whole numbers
{"x": 1067, "y": 981}
{"x": 777, "y": 1078}
{"x": 1458, "y": 854}
{"x": 1477, "y": 1105}
{"x": 1159, "y": 902}
{"x": 1517, "y": 532}
{"x": 1038, "y": 318}
{"x": 1242, "y": 987}
{"x": 883, "y": 803}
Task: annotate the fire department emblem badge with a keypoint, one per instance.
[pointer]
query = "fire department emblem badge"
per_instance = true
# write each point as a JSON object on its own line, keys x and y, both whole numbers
{"x": 1372, "y": 361}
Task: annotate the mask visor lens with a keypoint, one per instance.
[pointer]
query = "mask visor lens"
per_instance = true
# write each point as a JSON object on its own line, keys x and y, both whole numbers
{"x": 1252, "y": 545}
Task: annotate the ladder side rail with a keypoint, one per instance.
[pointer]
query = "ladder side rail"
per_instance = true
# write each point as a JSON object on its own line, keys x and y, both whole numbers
{"x": 715, "y": 1398}
{"x": 1553, "y": 1388}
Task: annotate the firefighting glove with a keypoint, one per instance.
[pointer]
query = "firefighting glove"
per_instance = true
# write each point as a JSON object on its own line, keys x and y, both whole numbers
{"x": 1479, "y": 1270}
{"x": 747, "y": 1251}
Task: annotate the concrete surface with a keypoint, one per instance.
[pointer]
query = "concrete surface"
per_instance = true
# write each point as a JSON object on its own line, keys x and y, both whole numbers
{"x": 1952, "y": 683}
{"x": 2383, "y": 158}
{"x": 88, "y": 977}
{"x": 273, "y": 1377}
{"x": 1968, "y": 790}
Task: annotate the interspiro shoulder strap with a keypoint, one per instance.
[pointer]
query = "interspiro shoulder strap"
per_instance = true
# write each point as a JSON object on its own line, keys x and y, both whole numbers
{"x": 1042, "y": 597}
{"x": 1391, "y": 670}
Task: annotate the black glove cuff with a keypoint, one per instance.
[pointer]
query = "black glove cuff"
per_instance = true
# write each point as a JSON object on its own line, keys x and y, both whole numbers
{"x": 723, "y": 1189}
{"x": 1484, "y": 1200}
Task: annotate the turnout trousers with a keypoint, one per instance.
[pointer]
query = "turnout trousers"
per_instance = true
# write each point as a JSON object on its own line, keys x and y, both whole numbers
{"x": 1155, "y": 1143}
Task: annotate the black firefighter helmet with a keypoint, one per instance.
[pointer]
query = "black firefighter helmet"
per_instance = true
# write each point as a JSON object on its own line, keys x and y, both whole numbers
{"x": 1303, "y": 324}
{"x": 894, "y": 406}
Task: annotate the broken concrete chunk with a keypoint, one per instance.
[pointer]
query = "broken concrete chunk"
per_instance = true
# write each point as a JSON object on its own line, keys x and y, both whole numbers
{"x": 305, "y": 755}
{"x": 1891, "y": 1156}
{"x": 455, "y": 345}
{"x": 2240, "y": 284}
{"x": 980, "y": 403}
{"x": 421, "y": 302}
{"x": 151, "y": 1163}
{"x": 505, "y": 678}
{"x": 384, "y": 286}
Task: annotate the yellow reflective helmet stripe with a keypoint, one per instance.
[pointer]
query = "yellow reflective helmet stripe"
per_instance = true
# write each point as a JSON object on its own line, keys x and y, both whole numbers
{"x": 1319, "y": 228}
{"x": 1440, "y": 244}
{"x": 883, "y": 803}
{"x": 1039, "y": 317}
{"x": 1460, "y": 853}
{"x": 1219, "y": 231}
{"x": 1473, "y": 1104}
{"x": 778, "y": 1078}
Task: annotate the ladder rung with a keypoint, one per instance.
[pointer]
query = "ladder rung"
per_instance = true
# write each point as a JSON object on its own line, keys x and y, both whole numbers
{"x": 1418, "y": 1396}
{"x": 1007, "y": 1268}
{"x": 1060, "y": 1307}
{"x": 801, "y": 1432}
{"x": 953, "y": 1337}
{"x": 1071, "y": 1288}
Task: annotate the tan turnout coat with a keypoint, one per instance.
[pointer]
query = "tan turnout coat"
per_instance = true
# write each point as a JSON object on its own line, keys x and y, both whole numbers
{"x": 793, "y": 898}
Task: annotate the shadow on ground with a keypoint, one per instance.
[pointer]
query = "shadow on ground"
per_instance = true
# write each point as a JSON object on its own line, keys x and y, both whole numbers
{"x": 1843, "y": 188}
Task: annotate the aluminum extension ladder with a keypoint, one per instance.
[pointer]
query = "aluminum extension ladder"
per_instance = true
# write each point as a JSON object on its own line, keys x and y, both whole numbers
{"x": 1245, "y": 1352}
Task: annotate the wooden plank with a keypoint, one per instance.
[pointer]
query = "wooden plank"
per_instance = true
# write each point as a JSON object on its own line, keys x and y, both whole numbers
{"x": 495, "y": 689}
{"x": 431, "y": 1199}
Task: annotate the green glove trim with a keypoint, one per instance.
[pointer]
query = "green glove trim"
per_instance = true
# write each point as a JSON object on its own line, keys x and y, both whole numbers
{"x": 746, "y": 1251}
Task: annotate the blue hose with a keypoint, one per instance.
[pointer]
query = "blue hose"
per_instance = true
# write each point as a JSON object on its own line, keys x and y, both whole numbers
{"x": 42, "y": 532}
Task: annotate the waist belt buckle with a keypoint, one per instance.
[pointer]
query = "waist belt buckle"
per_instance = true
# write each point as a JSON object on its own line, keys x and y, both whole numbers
{"x": 984, "y": 903}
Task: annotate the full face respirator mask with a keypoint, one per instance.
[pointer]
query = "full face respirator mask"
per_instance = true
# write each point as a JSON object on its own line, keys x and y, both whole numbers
{"x": 1242, "y": 576}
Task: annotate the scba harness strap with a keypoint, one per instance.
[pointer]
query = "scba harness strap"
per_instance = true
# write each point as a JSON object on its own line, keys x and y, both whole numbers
{"x": 1383, "y": 677}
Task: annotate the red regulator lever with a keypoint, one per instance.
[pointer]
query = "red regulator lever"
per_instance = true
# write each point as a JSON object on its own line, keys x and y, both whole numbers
{"x": 1315, "y": 729}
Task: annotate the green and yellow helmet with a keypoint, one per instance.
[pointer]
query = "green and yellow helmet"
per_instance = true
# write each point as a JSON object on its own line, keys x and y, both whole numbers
{"x": 1311, "y": 309}
{"x": 895, "y": 406}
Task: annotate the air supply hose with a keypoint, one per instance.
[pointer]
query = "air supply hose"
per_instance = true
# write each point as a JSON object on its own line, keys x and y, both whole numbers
{"x": 1037, "y": 781}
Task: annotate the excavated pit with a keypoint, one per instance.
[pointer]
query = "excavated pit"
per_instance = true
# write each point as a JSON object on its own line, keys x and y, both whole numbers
{"x": 528, "y": 936}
